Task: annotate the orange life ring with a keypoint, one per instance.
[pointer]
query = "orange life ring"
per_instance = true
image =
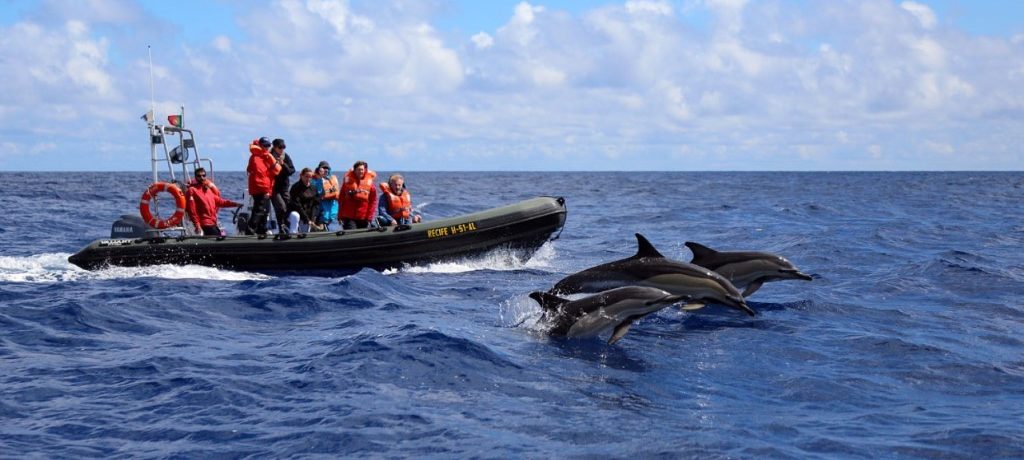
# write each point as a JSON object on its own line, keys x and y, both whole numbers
{"x": 179, "y": 204}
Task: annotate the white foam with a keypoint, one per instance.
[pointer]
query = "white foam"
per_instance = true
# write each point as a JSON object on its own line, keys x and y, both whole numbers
{"x": 54, "y": 267}
{"x": 498, "y": 259}
{"x": 522, "y": 311}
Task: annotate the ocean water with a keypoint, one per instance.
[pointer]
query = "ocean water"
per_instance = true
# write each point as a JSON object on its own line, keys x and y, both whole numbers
{"x": 908, "y": 343}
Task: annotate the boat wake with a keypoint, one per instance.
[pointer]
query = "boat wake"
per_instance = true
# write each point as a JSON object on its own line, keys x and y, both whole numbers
{"x": 54, "y": 268}
{"x": 495, "y": 260}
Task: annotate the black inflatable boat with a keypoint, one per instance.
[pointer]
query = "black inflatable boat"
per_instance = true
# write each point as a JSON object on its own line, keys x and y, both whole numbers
{"x": 522, "y": 227}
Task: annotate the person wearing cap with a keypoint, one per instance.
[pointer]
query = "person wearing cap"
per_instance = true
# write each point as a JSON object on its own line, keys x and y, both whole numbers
{"x": 203, "y": 203}
{"x": 262, "y": 169}
{"x": 358, "y": 197}
{"x": 327, "y": 190}
{"x": 279, "y": 195}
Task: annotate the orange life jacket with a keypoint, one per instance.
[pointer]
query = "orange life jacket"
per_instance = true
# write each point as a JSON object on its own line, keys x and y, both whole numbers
{"x": 262, "y": 169}
{"x": 399, "y": 205}
{"x": 358, "y": 197}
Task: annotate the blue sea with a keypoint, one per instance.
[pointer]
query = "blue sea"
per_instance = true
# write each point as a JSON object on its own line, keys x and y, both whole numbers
{"x": 909, "y": 342}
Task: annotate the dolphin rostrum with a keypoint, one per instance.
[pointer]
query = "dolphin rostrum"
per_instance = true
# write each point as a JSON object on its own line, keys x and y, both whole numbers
{"x": 651, "y": 269}
{"x": 615, "y": 308}
{"x": 746, "y": 269}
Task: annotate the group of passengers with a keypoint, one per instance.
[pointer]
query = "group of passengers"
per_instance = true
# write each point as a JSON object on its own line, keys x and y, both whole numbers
{"x": 313, "y": 203}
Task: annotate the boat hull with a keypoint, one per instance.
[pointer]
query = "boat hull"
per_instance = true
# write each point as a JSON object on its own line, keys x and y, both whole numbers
{"x": 521, "y": 227}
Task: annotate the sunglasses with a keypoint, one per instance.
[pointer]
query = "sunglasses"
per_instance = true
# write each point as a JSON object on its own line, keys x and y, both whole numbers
{"x": 200, "y": 176}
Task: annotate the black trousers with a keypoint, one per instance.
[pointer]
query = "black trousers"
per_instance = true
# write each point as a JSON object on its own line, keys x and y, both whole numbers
{"x": 280, "y": 202}
{"x": 211, "y": 230}
{"x": 260, "y": 211}
{"x": 350, "y": 224}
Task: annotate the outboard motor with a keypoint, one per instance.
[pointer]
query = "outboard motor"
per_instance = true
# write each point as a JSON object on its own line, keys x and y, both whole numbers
{"x": 128, "y": 226}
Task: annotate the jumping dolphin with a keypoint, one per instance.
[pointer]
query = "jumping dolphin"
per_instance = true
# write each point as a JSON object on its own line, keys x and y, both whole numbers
{"x": 649, "y": 268}
{"x": 592, "y": 315}
{"x": 746, "y": 269}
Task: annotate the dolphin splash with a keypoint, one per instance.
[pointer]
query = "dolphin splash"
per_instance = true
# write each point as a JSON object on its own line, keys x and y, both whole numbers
{"x": 746, "y": 269}
{"x": 591, "y": 316}
{"x": 648, "y": 268}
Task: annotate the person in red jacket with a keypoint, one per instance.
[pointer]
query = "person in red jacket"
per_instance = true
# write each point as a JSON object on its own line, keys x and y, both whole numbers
{"x": 358, "y": 197}
{"x": 263, "y": 168}
{"x": 203, "y": 202}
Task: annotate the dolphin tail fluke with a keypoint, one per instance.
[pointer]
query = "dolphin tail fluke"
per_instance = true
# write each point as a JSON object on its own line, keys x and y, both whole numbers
{"x": 547, "y": 301}
{"x": 752, "y": 288}
{"x": 645, "y": 248}
{"x": 620, "y": 331}
{"x": 699, "y": 251}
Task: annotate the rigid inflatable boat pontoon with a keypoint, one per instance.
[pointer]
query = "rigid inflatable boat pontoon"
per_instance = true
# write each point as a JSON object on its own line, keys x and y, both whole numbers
{"x": 522, "y": 227}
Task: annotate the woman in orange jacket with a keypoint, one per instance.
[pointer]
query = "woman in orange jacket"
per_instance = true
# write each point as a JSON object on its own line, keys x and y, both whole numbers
{"x": 263, "y": 168}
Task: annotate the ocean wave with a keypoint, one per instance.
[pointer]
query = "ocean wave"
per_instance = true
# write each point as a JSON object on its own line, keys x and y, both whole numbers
{"x": 503, "y": 259}
{"x": 54, "y": 268}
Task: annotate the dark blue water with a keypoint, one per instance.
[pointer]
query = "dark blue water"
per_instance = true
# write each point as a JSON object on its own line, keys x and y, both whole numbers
{"x": 909, "y": 343}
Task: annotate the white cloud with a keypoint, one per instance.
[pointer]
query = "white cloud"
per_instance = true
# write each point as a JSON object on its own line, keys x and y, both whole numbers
{"x": 220, "y": 110}
{"x": 924, "y": 15}
{"x": 648, "y": 7}
{"x": 546, "y": 76}
{"x": 520, "y": 29}
{"x": 929, "y": 52}
{"x": 222, "y": 44}
{"x": 482, "y": 41}
{"x": 340, "y": 17}
{"x": 605, "y": 84}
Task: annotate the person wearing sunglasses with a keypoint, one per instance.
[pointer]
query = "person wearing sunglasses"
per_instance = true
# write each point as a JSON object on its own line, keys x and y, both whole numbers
{"x": 303, "y": 204}
{"x": 203, "y": 203}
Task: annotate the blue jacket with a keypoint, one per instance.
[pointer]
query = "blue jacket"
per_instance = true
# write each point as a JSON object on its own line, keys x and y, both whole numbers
{"x": 328, "y": 208}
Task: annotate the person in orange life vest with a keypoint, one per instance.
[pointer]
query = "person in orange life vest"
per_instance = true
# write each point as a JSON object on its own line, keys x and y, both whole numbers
{"x": 263, "y": 168}
{"x": 358, "y": 197}
{"x": 395, "y": 203}
{"x": 279, "y": 196}
{"x": 203, "y": 203}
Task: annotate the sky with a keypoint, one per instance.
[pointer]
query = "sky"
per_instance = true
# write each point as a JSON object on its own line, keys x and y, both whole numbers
{"x": 444, "y": 85}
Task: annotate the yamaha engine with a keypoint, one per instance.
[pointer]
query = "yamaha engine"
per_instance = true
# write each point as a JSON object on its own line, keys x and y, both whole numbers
{"x": 128, "y": 226}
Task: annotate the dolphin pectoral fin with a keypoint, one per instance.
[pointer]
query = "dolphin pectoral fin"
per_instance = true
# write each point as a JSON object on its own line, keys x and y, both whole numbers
{"x": 645, "y": 248}
{"x": 547, "y": 301}
{"x": 620, "y": 331}
{"x": 753, "y": 287}
{"x": 694, "y": 306}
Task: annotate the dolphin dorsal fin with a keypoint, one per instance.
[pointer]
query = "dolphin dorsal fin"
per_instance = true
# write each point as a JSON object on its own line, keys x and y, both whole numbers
{"x": 548, "y": 301}
{"x": 700, "y": 251}
{"x": 645, "y": 248}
